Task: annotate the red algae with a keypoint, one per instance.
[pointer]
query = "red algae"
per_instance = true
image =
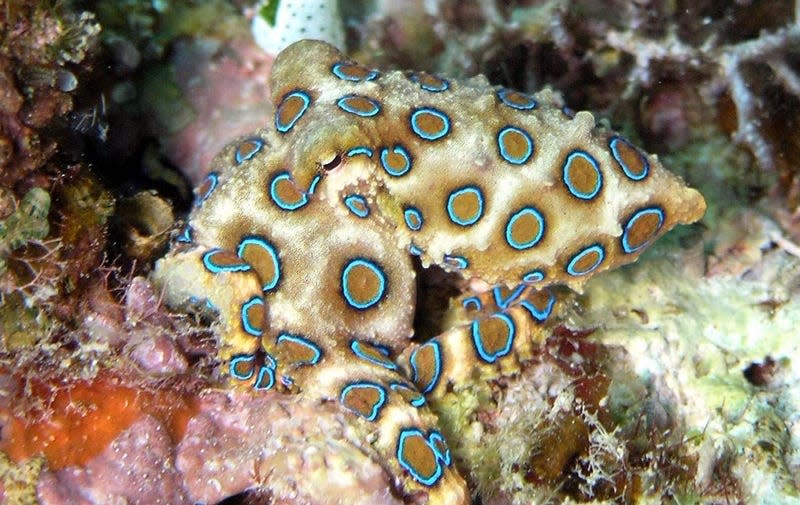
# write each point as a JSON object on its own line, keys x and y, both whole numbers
{"x": 70, "y": 422}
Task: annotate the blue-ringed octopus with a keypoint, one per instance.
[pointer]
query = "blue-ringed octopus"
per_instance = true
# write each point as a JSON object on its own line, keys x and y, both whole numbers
{"x": 302, "y": 237}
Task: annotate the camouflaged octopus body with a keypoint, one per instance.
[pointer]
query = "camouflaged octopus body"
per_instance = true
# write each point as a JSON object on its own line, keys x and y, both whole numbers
{"x": 302, "y": 236}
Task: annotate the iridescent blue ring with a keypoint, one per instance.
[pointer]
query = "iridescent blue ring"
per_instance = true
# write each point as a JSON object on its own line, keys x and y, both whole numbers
{"x": 300, "y": 340}
{"x": 273, "y": 254}
{"x": 520, "y": 246}
{"x": 437, "y": 354}
{"x": 386, "y": 363}
{"x": 399, "y": 150}
{"x": 583, "y": 195}
{"x": 540, "y": 315}
{"x": 239, "y": 158}
{"x": 435, "y": 112}
{"x": 283, "y": 128}
{"x": 502, "y": 94}
{"x": 514, "y": 160}
{"x": 413, "y": 218}
{"x": 212, "y": 267}
{"x": 358, "y": 205}
{"x": 247, "y": 325}
{"x": 626, "y": 246}
{"x": 595, "y": 248}
{"x": 376, "y": 408}
{"x": 477, "y": 340}
{"x": 451, "y": 202}
{"x": 336, "y": 70}
{"x": 287, "y": 205}
{"x": 429, "y": 480}
{"x": 374, "y": 268}
{"x": 613, "y": 145}
{"x": 342, "y": 104}
{"x": 241, "y": 358}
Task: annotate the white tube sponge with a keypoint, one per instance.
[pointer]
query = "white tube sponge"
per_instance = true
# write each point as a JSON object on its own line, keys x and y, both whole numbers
{"x": 279, "y": 23}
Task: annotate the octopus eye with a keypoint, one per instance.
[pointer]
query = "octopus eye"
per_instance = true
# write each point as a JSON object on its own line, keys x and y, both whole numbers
{"x": 333, "y": 163}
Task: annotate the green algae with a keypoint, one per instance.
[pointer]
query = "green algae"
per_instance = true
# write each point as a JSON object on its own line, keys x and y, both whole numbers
{"x": 28, "y": 222}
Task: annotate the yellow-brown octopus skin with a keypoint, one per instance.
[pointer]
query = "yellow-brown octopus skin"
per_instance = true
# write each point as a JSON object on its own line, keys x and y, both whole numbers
{"x": 302, "y": 236}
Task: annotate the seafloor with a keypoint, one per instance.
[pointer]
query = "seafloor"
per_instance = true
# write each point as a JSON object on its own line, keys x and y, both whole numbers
{"x": 672, "y": 380}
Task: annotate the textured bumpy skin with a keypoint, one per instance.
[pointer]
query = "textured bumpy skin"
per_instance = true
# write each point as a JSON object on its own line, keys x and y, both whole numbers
{"x": 301, "y": 239}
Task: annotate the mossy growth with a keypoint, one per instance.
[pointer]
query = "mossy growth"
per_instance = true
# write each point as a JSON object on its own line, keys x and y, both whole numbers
{"x": 21, "y": 325}
{"x": 28, "y": 222}
{"x": 19, "y": 480}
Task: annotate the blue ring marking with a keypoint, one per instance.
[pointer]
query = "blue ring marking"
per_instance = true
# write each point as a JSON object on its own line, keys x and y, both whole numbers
{"x": 520, "y": 246}
{"x": 504, "y": 303}
{"x": 268, "y": 370}
{"x": 417, "y": 401}
{"x": 413, "y": 249}
{"x": 435, "y": 437}
{"x": 372, "y": 266}
{"x": 502, "y": 94}
{"x": 336, "y": 70}
{"x": 436, "y": 112}
{"x": 273, "y": 253}
{"x": 248, "y": 327}
{"x": 568, "y": 112}
{"x": 297, "y": 339}
{"x": 366, "y": 151}
{"x": 471, "y": 220}
{"x": 376, "y": 409}
{"x": 186, "y": 235}
{"x": 213, "y": 179}
{"x": 239, "y": 158}
{"x": 355, "y": 346}
{"x": 276, "y": 199}
{"x": 540, "y": 315}
{"x": 410, "y": 214}
{"x": 612, "y": 144}
{"x": 505, "y": 154}
{"x": 313, "y": 186}
{"x": 444, "y": 86}
{"x": 306, "y": 102}
{"x": 398, "y": 149}
{"x": 533, "y": 276}
{"x": 342, "y": 104}
{"x": 454, "y": 261}
{"x": 626, "y": 246}
{"x": 401, "y": 440}
{"x": 596, "y": 248}
{"x": 437, "y": 352}
{"x": 472, "y": 300}
{"x": 568, "y": 181}
{"x": 352, "y": 203}
{"x": 242, "y": 358}
{"x": 478, "y": 341}
{"x": 215, "y": 269}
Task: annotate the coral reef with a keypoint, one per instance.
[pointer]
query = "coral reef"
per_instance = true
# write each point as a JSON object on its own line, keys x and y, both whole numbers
{"x": 38, "y": 54}
{"x": 673, "y": 379}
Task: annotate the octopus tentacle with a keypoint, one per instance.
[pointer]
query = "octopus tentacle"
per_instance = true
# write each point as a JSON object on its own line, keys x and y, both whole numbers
{"x": 503, "y": 330}
{"x": 231, "y": 289}
{"x": 394, "y": 417}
